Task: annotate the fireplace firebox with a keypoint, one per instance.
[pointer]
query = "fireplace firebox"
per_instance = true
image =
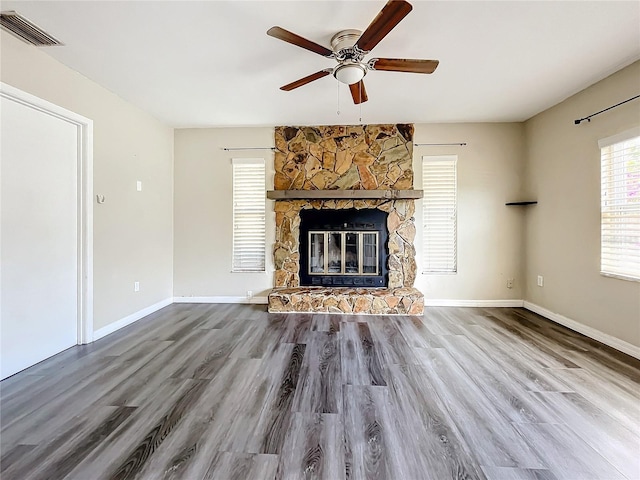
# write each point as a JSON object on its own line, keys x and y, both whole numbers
{"x": 343, "y": 248}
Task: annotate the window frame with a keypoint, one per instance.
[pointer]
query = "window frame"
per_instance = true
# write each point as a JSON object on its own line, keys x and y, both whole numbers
{"x": 608, "y": 183}
{"x": 451, "y": 267}
{"x": 237, "y": 169}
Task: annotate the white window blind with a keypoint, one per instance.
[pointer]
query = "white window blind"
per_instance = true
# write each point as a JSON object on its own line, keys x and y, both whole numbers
{"x": 439, "y": 213}
{"x": 620, "y": 205}
{"x": 249, "y": 195}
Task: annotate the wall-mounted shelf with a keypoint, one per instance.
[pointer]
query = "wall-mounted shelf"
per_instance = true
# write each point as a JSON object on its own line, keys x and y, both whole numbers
{"x": 521, "y": 203}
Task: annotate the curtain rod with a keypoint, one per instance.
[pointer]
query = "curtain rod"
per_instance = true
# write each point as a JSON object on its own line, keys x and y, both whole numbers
{"x": 588, "y": 117}
{"x": 461, "y": 144}
{"x": 231, "y": 149}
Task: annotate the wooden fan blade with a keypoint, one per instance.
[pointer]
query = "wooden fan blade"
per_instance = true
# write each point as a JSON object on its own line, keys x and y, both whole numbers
{"x": 358, "y": 92}
{"x": 305, "y": 80}
{"x": 404, "y": 65}
{"x": 292, "y": 38}
{"x": 387, "y": 19}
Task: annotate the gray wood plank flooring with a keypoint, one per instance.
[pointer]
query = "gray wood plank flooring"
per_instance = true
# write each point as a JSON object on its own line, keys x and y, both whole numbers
{"x": 230, "y": 392}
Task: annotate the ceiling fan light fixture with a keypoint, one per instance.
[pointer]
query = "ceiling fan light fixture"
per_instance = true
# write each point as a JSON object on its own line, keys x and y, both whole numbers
{"x": 349, "y": 48}
{"x": 349, "y": 73}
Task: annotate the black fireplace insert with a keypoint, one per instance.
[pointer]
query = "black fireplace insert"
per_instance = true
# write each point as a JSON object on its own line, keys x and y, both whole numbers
{"x": 343, "y": 248}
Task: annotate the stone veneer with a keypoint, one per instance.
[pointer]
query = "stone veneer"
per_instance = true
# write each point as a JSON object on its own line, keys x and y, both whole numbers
{"x": 378, "y": 301}
{"x": 364, "y": 157}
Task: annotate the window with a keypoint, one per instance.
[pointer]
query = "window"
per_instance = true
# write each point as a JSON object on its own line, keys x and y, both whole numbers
{"x": 249, "y": 195}
{"x": 620, "y": 205}
{"x": 439, "y": 211}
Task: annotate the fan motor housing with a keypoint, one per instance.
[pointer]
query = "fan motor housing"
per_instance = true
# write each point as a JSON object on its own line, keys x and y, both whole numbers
{"x": 345, "y": 39}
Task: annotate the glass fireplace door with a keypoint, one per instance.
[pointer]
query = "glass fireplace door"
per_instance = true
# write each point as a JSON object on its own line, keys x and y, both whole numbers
{"x": 370, "y": 253}
{"x": 351, "y": 257}
{"x": 343, "y": 253}
{"x": 334, "y": 252}
{"x": 316, "y": 253}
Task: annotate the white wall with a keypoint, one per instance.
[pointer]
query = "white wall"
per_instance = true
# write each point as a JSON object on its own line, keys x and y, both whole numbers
{"x": 133, "y": 231}
{"x": 490, "y": 236}
{"x": 203, "y": 212}
{"x": 563, "y": 231}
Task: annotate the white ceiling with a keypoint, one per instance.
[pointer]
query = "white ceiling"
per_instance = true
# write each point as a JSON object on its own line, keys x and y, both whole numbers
{"x": 210, "y": 63}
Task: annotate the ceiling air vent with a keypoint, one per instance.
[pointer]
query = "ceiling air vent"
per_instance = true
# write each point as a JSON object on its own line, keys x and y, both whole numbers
{"x": 26, "y": 30}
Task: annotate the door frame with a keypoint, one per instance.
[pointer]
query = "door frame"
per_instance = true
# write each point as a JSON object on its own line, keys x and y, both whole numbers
{"x": 84, "y": 165}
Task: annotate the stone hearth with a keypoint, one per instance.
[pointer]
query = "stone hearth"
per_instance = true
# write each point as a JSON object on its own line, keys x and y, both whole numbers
{"x": 377, "y": 301}
{"x": 338, "y": 158}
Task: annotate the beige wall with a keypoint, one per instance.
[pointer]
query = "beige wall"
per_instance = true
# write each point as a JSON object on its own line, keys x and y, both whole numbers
{"x": 563, "y": 231}
{"x": 133, "y": 231}
{"x": 548, "y": 159}
{"x": 489, "y": 233}
{"x": 203, "y": 206}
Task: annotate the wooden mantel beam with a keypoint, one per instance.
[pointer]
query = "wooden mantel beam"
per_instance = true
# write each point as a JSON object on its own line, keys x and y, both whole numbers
{"x": 344, "y": 194}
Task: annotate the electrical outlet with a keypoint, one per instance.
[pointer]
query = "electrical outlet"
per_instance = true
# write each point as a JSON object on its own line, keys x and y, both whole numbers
{"x": 249, "y": 294}
{"x": 540, "y": 280}
{"x": 136, "y": 286}
{"x": 139, "y": 185}
{"x": 509, "y": 282}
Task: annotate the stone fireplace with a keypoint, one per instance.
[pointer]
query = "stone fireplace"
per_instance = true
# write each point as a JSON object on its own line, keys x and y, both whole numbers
{"x": 350, "y": 188}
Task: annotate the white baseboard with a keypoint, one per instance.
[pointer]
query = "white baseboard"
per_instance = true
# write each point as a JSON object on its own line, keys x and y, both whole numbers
{"x": 220, "y": 299}
{"x": 590, "y": 332}
{"x": 429, "y": 302}
{"x": 129, "y": 319}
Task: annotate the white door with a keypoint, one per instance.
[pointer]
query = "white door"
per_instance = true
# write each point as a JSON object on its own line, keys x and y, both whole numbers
{"x": 39, "y": 235}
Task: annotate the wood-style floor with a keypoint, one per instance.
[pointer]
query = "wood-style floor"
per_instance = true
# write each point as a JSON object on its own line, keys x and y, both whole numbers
{"x": 230, "y": 392}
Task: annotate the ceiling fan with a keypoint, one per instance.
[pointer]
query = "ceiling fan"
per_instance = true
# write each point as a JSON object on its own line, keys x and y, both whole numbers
{"x": 349, "y": 47}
